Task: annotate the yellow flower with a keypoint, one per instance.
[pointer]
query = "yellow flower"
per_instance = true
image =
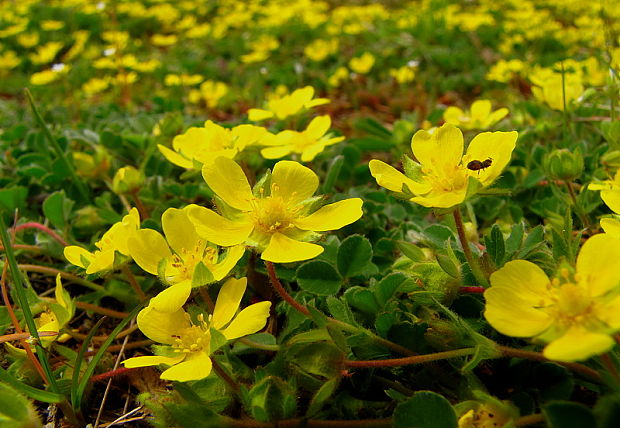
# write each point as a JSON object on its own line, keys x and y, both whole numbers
{"x": 610, "y": 193}
{"x": 480, "y": 115}
{"x": 181, "y": 259}
{"x": 115, "y": 239}
{"x": 191, "y": 344}
{"x": 164, "y": 40}
{"x": 404, "y": 74}
{"x": 276, "y": 218}
{"x": 318, "y": 50}
{"x": 575, "y": 314}
{"x": 341, "y": 74}
{"x": 308, "y": 143}
{"x": 46, "y": 53}
{"x": 201, "y": 145}
{"x": 96, "y": 85}
{"x": 48, "y": 76}
{"x": 549, "y": 88}
{"x": 443, "y": 176}
{"x": 28, "y": 40}
{"x": 51, "y": 25}
{"x": 362, "y": 64}
{"x": 210, "y": 91}
{"x": 287, "y": 105}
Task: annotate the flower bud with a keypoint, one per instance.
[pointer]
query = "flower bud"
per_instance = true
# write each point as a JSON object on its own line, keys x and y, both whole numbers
{"x": 92, "y": 166}
{"x": 563, "y": 164}
{"x": 88, "y": 218}
{"x": 127, "y": 180}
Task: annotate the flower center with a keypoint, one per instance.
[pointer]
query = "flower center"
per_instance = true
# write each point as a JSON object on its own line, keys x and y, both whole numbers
{"x": 570, "y": 303}
{"x": 450, "y": 179}
{"x": 185, "y": 263}
{"x": 192, "y": 339}
{"x": 272, "y": 214}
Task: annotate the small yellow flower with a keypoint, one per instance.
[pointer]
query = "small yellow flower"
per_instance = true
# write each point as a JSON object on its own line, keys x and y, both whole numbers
{"x": 575, "y": 314}
{"x": 51, "y": 25}
{"x": 362, "y": 64}
{"x": 48, "y": 76}
{"x": 554, "y": 90}
{"x": 480, "y": 115}
{"x": 308, "y": 143}
{"x": 181, "y": 258}
{"x": 443, "y": 176}
{"x": 404, "y": 74}
{"x": 210, "y": 91}
{"x": 287, "y": 105}
{"x": 199, "y": 146}
{"x": 276, "y": 218}
{"x": 164, "y": 40}
{"x": 46, "y": 53}
{"x": 610, "y": 193}
{"x": 9, "y": 60}
{"x": 318, "y": 50}
{"x": 340, "y": 75}
{"x": 115, "y": 239}
{"x": 190, "y": 344}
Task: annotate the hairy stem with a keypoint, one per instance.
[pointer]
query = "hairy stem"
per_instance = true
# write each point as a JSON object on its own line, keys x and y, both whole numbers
{"x": 471, "y": 260}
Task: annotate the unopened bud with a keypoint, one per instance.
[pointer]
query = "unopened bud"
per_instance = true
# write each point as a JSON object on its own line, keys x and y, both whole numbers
{"x": 127, "y": 180}
{"x": 563, "y": 164}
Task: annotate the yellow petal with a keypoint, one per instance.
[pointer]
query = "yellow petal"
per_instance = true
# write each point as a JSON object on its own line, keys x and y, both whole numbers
{"x": 318, "y": 127}
{"x": 317, "y": 102}
{"x": 498, "y": 147}
{"x": 160, "y": 326}
{"x": 217, "y": 229}
{"x": 226, "y": 178}
{"x": 497, "y": 115}
{"x": 526, "y": 279}
{"x": 510, "y": 314}
{"x": 389, "y": 177}
{"x": 612, "y": 199}
{"x": 172, "y": 298}
{"x": 151, "y": 360}
{"x": 480, "y": 110}
{"x": 578, "y": 344}
{"x": 310, "y": 152}
{"x": 597, "y": 264}
{"x": 74, "y": 255}
{"x": 222, "y": 268}
{"x": 175, "y": 157}
{"x": 441, "y": 199}
{"x": 276, "y": 152}
{"x": 611, "y": 226}
{"x": 256, "y": 114}
{"x": 148, "y": 247}
{"x": 332, "y": 216}
{"x": 453, "y": 115}
{"x": 282, "y": 249}
{"x": 228, "y": 301}
{"x": 180, "y": 231}
{"x": 440, "y": 151}
{"x": 102, "y": 260}
{"x": 195, "y": 367}
{"x": 248, "y": 321}
{"x": 293, "y": 182}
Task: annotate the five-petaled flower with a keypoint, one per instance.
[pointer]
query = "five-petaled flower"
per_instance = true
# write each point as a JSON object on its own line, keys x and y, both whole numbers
{"x": 115, "y": 239}
{"x": 191, "y": 342}
{"x": 479, "y": 116}
{"x": 308, "y": 143}
{"x": 610, "y": 193}
{"x": 575, "y": 314}
{"x": 288, "y": 105}
{"x": 443, "y": 176}
{"x": 276, "y": 218}
{"x": 181, "y": 259}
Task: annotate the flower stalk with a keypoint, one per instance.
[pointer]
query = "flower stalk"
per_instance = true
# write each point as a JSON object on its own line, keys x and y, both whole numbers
{"x": 471, "y": 260}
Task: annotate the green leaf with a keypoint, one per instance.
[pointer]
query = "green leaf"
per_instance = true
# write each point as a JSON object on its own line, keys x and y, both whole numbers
{"x": 514, "y": 241}
{"x": 321, "y": 396}
{"x": 363, "y": 299}
{"x": 411, "y": 251}
{"x": 611, "y": 132}
{"x": 322, "y": 359}
{"x": 533, "y": 240}
{"x": 340, "y": 310}
{"x": 425, "y": 409}
{"x": 57, "y": 208}
{"x": 372, "y": 127}
{"x": 607, "y": 411}
{"x": 318, "y": 277}
{"x": 217, "y": 339}
{"x": 13, "y": 198}
{"x": 16, "y": 410}
{"x": 333, "y": 172}
{"x": 354, "y": 256}
{"x": 448, "y": 266}
{"x": 495, "y": 246}
{"x": 34, "y": 393}
{"x": 202, "y": 275}
{"x": 385, "y": 289}
{"x": 272, "y": 399}
{"x": 562, "y": 414}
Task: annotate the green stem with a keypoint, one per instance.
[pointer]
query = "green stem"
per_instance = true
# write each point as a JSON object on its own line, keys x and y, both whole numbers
{"x": 564, "y": 111}
{"x": 277, "y": 285}
{"x": 65, "y": 275}
{"x": 256, "y": 345}
{"x": 416, "y": 359}
{"x": 471, "y": 260}
{"x": 79, "y": 184}
{"x": 582, "y": 216}
{"x": 18, "y": 287}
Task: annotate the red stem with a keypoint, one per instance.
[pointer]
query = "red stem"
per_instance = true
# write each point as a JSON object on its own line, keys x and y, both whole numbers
{"x": 43, "y": 228}
{"x": 277, "y": 285}
{"x": 111, "y": 373}
{"x": 473, "y": 290}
